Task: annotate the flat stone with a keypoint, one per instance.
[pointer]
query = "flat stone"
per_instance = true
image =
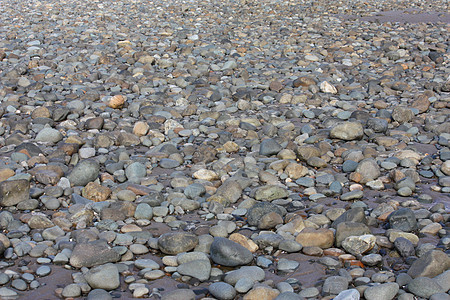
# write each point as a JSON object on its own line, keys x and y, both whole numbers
{"x": 104, "y": 277}
{"x": 382, "y": 291}
{"x": 13, "y": 192}
{"x": 93, "y": 254}
{"x": 431, "y": 264}
{"x": 177, "y": 242}
{"x": 228, "y": 253}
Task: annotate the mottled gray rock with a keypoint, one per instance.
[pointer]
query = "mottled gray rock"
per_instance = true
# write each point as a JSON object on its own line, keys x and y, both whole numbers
{"x": 184, "y": 294}
{"x": 228, "y": 253}
{"x": 249, "y": 272}
{"x": 93, "y": 254}
{"x": 177, "y": 242}
{"x": 430, "y": 264}
{"x": 222, "y": 290}
{"x": 403, "y": 219}
{"x": 269, "y": 147}
{"x": 103, "y": 277}
{"x": 13, "y": 192}
{"x": 381, "y": 291}
{"x": 200, "y": 269}
{"x": 333, "y": 285}
{"x": 84, "y": 172}
{"x": 424, "y": 287}
{"x": 347, "y": 131}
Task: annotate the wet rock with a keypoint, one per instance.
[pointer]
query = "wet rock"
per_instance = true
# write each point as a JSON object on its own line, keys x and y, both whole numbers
{"x": 431, "y": 264}
{"x": 104, "y": 277}
{"x": 347, "y": 131}
{"x": 93, "y": 254}
{"x": 228, "y": 253}
{"x": 13, "y": 192}
{"x": 177, "y": 242}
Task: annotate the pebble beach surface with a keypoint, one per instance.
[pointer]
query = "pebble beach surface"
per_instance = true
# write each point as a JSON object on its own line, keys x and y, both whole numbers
{"x": 224, "y": 150}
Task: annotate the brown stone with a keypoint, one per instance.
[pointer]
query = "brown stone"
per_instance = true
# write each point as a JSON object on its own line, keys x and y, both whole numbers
{"x": 6, "y": 173}
{"x": 295, "y": 170}
{"x": 244, "y": 241}
{"x": 14, "y": 191}
{"x": 421, "y": 103}
{"x": 261, "y": 293}
{"x": 322, "y": 237}
{"x": 96, "y": 192}
{"x": 270, "y": 220}
{"x": 276, "y": 86}
{"x": 40, "y": 112}
{"x": 116, "y": 101}
{"x": 303, "y": 81}
{"x": 49, "y": 174}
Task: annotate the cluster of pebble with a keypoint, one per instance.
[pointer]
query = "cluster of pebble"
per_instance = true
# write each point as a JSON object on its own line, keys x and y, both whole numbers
{"x": 211, "y": 150}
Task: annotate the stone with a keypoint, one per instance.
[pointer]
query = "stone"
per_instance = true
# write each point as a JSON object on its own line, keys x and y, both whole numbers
{"x": 84, "y": 172}
{"x": 382, "y": 291}
{"x": 403, "y": 219}
{"x": 347, "y": 131}
{"x": 13, "y": 192}
{"x": 261, "y": 293}
{"x": 402, "y": 114}
{"x": 357, "y": 245}
{"x": 200, "y": 269}
{"x": 333, "y": 285}
{"x": 351, "y": 294}
{"x": 92, "y": 254}
{"x": 257, "y": 211}
{"x": 104, "y": 277}
{"x": 270, "y": 192}
{"x": 424, "y": 287}
{"x": 178, "y": 294}
{"x": 431, "y": 264}
{"x": 369, "y": 170}
{"x": 269, "y": 147}
{"x": 347, "y": 229}
{"x": 49, "y": 135}
{"x": 177, "y": 242}
{"x": 310, "y": 237}
{"x": 228, "y": 253}
{"x": 222, "y": 290}
{"x": 96, "y": 192}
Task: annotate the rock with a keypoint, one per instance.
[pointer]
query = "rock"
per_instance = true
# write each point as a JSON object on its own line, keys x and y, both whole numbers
{"x": 351, "y": 294}
{"x": 424, "y": 287}
{"x": 116, "y": 101}
{"x": 84, "y": 172}
{"x": 347, "y": 131}
{"x": 269, "y": 147}
{"x": 222, "y": 290}
{"x": 358, "y": 245}
{"x": 96, "y": 192}
{"x": 177, "y": 242}
{"x": 333, "y": 285}
{"x": 228, "y": 253}
{"x": 253, "y": 273}
{"x": 199, "y": 268}
{"x": 13, "y": 192}
{"x": 49, "y": 135}
{"x": 184, "y": 294}
{"x": 431, "y": 264}
{"x": 402, "y": 114}
{"x": 309, "y": 237}
{"x": 326, "y": 87}
{"x": 257, "y": 211}
{"x": 369, "y": 170}
{"x": 403, "y": 219}
{"x": 261, "y": 293}
{"x": 71, "y": 291}
{"x": 270, "y": 192}
{"x": 347, "y": 229}
{"x": 206, "y": 175}
{"x": 93, "y": 254}
{"x": 382, "y": 291}
{"x": 104, "y": 277}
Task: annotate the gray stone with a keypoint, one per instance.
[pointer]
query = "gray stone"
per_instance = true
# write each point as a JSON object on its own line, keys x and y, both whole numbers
{"x": 72, "y": 290}
{"x": 257, "y": 211}
{"x": 404, "y": 247}
{"x": 403, "y": 219}
{"x": 430, "y": 264}
{"x": 93, "y": 254}
{"x": 443, "y": 280}
{"x": 424, "y": 287}
{"x": 143, "y": 211}
{"x": 249, "y": 272}
{"x": 136, "y": 170}
{"x": 289, "y": 296}
{"x": 103, "y": 277}
{"x": 228, "y": 253}
{"x": 184, "y": 294}
{"x": 269, "y": 147}
{"x": 347, "y": 131}
{"x": 177, "y": 242}
{"x": 333, "y": 285}
{"x": 13, "y": 192}
{"x": 99, "y": 294}
{"x": 346, "y": 229}
{"x": 84, "y": 172}
{"x": 369, "y": 170}
{"x": 222, "y": 290}
{"x": 200, "y": 269}
{"x": 351, "y": 294}
{"x": 49, "y": 135}
{"x": 385, "y": 291}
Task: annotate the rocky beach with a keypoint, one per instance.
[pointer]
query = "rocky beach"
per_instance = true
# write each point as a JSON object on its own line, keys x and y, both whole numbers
{"x": 247, "y": 149}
